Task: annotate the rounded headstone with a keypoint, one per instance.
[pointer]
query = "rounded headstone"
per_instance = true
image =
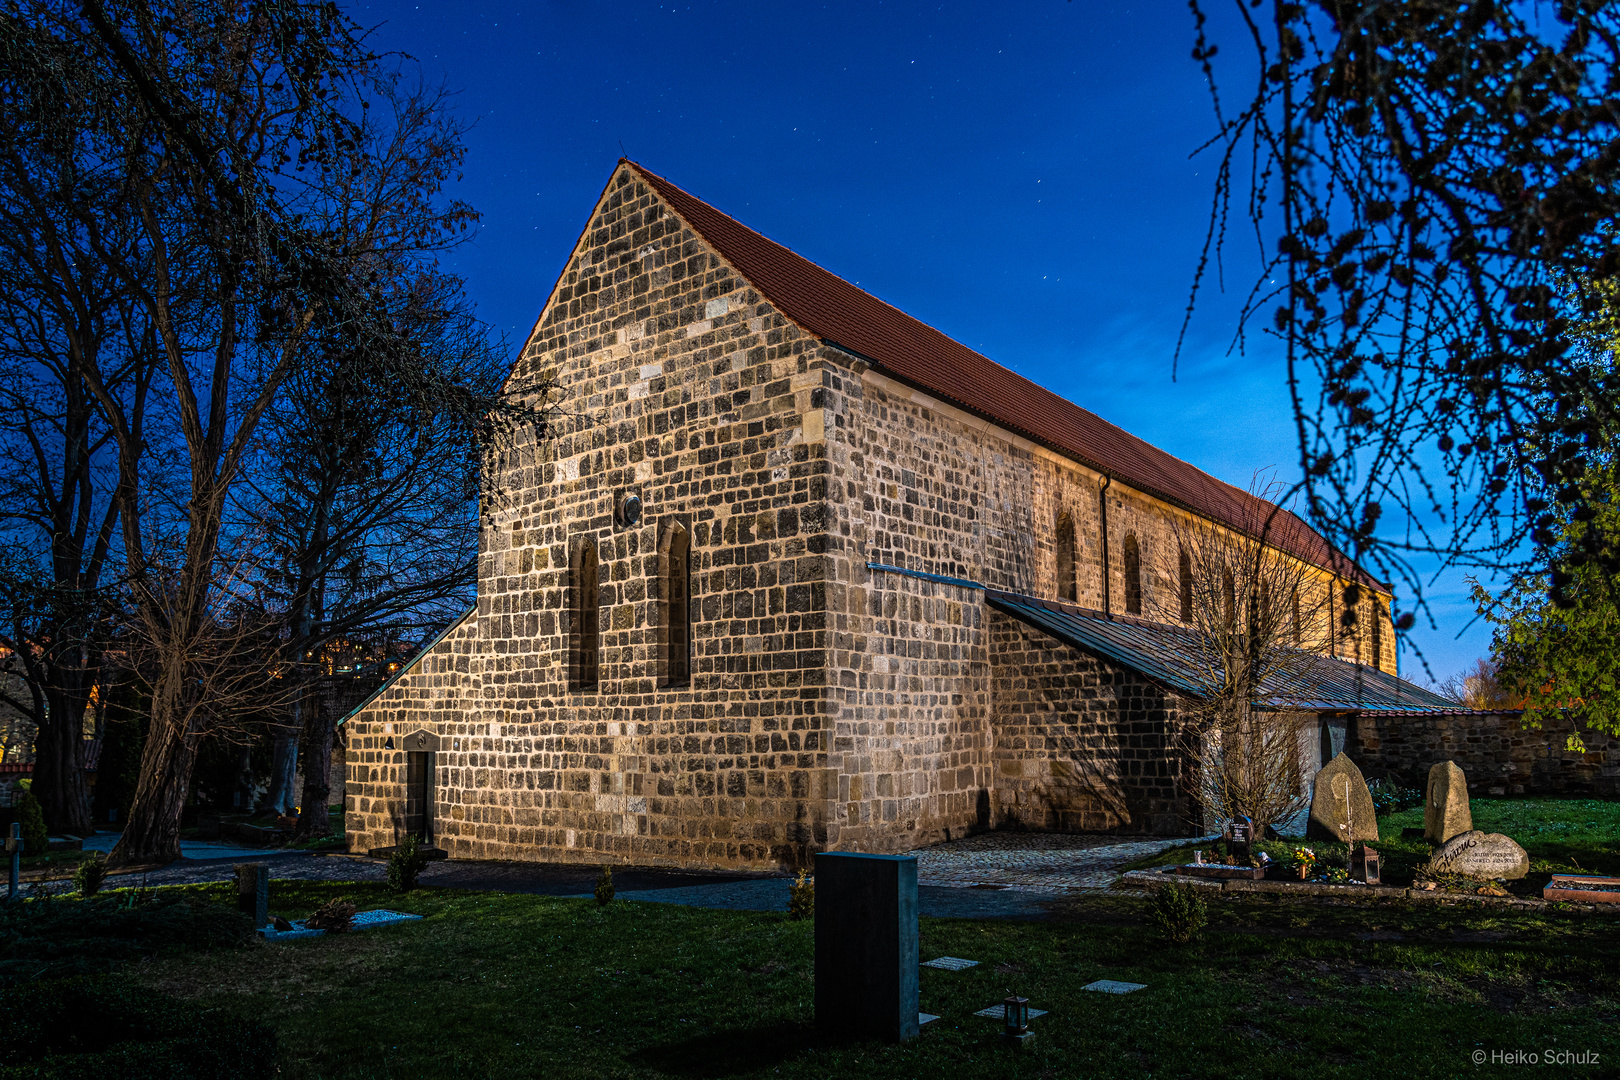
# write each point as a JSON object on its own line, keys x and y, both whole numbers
{"x": 1482, "y": 855}
{"x": 1341, "y": 806}
{"x": 1445, "y": 804}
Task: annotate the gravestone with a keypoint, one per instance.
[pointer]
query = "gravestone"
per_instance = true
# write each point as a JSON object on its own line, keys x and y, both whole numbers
{"x": 253, "y": 892}
{"x": 1445, "y": 804}
{"x": 1239, "y": 835}
{"x": 1482, "y": 855}
{"x": 1341, "y": 806}
{"x": 866, "y": 946}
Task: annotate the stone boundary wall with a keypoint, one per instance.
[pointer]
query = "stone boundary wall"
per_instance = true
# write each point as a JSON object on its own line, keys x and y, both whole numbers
{"x": 1498, "y": 756}
{"x": 1080, "y": 744}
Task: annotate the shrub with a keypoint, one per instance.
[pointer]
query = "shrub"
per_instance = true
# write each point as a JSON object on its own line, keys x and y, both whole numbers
{"x": 91, "y": 873}
{"x": 604, "y": 886}
{"x": 1179, "y": 912}
{"x": 336, "y": 915}
{"x": 407, "y": 861}
{"x": 802, "y": 897}
{"x": 1391, "y": 798}
{"x": 96, "y": 1026}
{"x": 36, "y": 841}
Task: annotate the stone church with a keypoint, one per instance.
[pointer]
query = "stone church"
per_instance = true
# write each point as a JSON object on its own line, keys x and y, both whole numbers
{"x": 801, "y": 573}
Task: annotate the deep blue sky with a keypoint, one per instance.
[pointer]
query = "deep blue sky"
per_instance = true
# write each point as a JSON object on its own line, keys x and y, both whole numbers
{"x": 1017, "y": 175}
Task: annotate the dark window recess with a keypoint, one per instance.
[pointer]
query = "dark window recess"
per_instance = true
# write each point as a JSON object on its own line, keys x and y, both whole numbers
{"x": 1133, "y": 576}
{"x": 677, "y": 593}
{"x": 1228, "y": 598}
{"x": 1067, "y": 587}
{"x": 588, "y": 617}
{"x": 1186, "y": 587}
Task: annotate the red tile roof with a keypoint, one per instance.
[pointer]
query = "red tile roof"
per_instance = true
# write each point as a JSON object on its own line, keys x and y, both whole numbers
{"x": 915, "y": 353}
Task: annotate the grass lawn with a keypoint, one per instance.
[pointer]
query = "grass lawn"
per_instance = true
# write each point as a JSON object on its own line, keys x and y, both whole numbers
{"x": 55, "y": 863}
{"x": 1561, "y": 836}
{"x": 492, "y": 985}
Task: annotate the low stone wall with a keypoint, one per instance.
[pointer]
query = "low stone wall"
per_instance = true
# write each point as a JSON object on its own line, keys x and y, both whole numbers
{"x": 1495, "y": 752}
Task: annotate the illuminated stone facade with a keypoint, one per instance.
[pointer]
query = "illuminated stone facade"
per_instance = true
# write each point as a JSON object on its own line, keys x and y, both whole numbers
{"x": 828, "y": 705}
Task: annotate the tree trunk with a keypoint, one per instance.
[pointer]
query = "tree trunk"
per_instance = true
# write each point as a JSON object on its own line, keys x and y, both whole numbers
{"x": 152, "y": 834}
{"x": 283, "y": 771}
{"x": 314, "y": 821}
{"x": 58, "y": 780}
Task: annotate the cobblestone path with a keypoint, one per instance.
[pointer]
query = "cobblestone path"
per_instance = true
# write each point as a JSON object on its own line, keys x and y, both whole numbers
{"x": 1034, "y": 862}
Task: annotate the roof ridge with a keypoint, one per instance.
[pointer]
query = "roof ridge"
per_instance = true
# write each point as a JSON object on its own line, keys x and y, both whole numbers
{"x": 850, "y": 318}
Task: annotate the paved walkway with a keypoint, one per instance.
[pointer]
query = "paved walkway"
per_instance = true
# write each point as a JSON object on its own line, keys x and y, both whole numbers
{"x": 990, "y": 876}
{"x": 189, "y": 849}
{"x": 1035, "y": 862}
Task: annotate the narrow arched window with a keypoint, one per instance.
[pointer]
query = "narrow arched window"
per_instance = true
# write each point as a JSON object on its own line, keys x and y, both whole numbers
{"x": 1377, "y": 636}
{"x": 1067, "y": 588}
{"x": 1133, "y": 576}
{"x": 1186, "y": 587}
{"x": 587, "y": 621}
{"x": 1229, "y": 598}
{"x": 675, "y": 602}
{"x": 1299, "y": 638}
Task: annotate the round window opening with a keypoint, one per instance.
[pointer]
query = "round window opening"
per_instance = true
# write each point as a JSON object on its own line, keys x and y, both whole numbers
{"x": 631, "y": 512}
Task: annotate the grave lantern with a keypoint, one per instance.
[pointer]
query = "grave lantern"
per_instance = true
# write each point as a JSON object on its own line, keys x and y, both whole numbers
{"x": 1015, "y": 1018}
{"x": 1364, "y": 864}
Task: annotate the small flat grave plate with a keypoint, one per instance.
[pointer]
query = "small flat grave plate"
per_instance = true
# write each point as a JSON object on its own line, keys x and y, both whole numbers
{"x": 925, "y": 1018}
{"x": 951, "y": 963}
{"x": 365, "y": 920}
{"x": 998, "y": 1011}
{"x": 1109, "y": 986}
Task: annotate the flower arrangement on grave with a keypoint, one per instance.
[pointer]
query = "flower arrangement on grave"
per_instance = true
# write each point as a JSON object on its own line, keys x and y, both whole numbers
{"x": 1336, "y": 875}
{"x": 1305, "y": 859}
{"x": 336, "y": 915}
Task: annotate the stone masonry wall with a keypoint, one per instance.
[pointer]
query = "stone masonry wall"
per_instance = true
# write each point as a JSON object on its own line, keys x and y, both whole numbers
{"x": 1498, "y": 756}
{"x": 917, "y": 483}
{"x": 829, "y": 707}
{"x": 436, "y": 693}
{"x": 691, "y": 391}
{"x": 1080, "y": 744}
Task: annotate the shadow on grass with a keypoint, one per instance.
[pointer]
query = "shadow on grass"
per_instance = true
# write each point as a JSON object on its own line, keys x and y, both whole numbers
{"x": 730, "y": 1052}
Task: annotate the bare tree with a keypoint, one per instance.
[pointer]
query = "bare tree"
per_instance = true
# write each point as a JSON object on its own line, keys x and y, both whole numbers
{"x": 1254, "y": 616}
{"x": 1480, "y": 687}
{"x": 1433, "y": 189}
{"x": 234, "y": 130}
{"x": 370, "y": 504}
{"x": 62, "y": 315}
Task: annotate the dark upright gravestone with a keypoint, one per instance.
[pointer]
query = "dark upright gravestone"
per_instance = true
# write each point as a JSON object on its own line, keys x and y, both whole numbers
{"x": 866, "y": 946}
{"x": 253, "y": 891}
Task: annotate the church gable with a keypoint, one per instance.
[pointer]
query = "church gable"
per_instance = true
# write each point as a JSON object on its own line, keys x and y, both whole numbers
{"x": 651, "y": 659}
